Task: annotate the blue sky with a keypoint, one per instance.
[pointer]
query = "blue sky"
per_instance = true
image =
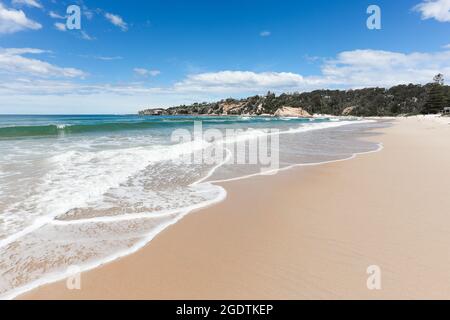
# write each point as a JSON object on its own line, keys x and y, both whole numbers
{"x": 134, "y": 54}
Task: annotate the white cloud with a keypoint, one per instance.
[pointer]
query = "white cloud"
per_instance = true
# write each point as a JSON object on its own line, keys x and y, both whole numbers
{"x": 117, "y": 21}
{"x": 154, "y": 73}
{"x": 360, "y": 68}
{"x": 145, "y": 72}
{"x": 88, "y": 13}
{"x": 82, "y": 34}
{"x": 434, "y": 9}
{"x": 14, "y": 62}
{"x": 238, "y": 81}
{"x": 55, "y": 15}
{"x": 57, "y": 87}
{"x": 86, "y": 36}
{"x": 19, "y": 51}
{"x": 447, "y": 46}
{"x": 103, "y": 58}
{"x": 265, "y": 33}
{"x": 29, "y": 3}
{"x": 12, "y": 21}
{"x": 60, "y": 26}
{"x": 106, "y": 58}
{"x": 349, "y": 69}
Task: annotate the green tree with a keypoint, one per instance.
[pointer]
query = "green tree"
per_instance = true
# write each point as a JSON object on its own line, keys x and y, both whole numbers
{"x": 436, "y": 99}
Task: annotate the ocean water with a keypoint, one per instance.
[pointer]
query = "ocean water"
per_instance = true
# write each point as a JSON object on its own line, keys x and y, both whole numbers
{"x": 80, "y": 191}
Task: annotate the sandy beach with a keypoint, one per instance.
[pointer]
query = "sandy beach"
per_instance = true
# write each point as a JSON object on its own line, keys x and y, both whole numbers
{"x": 306, "y": 233}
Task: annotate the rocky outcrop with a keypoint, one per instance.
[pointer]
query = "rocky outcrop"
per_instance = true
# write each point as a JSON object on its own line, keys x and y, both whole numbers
{"x": 152, "y": 112}
{"x": 231, "y": 108}
{"x": 348, "y": 111}
{"x": 292, "y": 112}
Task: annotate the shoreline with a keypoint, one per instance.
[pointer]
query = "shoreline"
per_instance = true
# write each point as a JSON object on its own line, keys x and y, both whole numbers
{"x": 56, "y": 277}
{"x": 93, "y": 278}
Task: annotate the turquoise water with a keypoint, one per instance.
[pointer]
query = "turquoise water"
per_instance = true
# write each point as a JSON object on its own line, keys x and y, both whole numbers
{"x": 54, "y": 126}
{"x": 78, "y": 191}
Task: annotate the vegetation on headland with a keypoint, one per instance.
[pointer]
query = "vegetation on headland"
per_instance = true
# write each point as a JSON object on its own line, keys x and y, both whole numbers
{"x": 398, "y": 100}
{"x": 438, "y": 97}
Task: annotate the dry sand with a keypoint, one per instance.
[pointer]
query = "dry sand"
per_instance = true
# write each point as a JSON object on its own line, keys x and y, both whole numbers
{"x": 306, "y": 233}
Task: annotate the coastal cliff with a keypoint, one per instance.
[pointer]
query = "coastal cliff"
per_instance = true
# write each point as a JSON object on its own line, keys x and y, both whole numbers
{"x": 398, "y": 100}
{"x": 291, "y": 112}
